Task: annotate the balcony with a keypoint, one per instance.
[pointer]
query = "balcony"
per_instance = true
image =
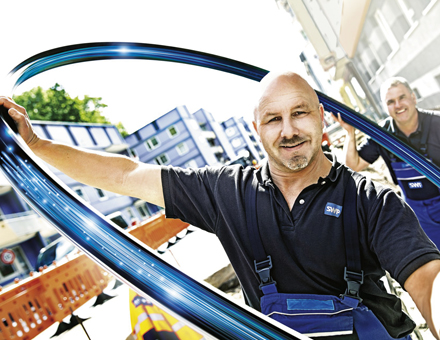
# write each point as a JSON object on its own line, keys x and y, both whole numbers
{"x": 217, "y": 149}
{"x": 209, "y": 135}
{"x": 15, "y": 228}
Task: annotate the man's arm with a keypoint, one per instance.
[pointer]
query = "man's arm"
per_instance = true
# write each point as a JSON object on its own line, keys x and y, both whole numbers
{"x": 106, "y": 171}
{"x": 424, "y": 288}
{"x": 352, "y": 158}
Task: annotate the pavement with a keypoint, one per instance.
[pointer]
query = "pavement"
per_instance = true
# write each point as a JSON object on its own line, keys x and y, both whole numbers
{"x": 110, "y": 320}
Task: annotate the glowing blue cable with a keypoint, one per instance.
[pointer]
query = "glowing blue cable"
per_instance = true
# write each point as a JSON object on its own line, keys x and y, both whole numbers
{"x": 111, "y": 246}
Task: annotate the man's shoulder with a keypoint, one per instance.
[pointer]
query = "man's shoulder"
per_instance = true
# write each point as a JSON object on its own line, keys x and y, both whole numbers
{"x": 434, "y": 113}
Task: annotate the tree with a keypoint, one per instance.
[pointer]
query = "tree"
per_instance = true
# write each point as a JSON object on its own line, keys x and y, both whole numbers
{"x": 55, "y": 104}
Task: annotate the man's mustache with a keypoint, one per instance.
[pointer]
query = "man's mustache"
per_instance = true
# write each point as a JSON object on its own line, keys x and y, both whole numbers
{"x": 292, "y": 141}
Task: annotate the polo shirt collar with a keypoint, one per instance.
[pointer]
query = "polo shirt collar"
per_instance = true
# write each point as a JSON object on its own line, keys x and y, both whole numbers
{"x": 264, "y": 177}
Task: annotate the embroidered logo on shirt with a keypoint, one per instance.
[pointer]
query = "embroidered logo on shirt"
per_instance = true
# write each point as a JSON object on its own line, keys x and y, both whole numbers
{"x": 415, "y": 185}
{"x": 332, "y": 209}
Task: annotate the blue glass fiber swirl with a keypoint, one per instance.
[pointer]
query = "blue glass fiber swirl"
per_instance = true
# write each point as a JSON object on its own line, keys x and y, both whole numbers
{"x": 109, "y": 245}
{"x": 112, "y": 247}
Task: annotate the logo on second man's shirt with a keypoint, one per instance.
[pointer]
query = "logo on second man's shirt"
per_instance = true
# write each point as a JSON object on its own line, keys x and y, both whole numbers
{"x": 415, "y": 185}
{"x": 332, "y": 209}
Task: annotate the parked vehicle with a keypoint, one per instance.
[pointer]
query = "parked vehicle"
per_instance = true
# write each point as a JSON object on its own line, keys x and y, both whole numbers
{"x": 54, "y": 251}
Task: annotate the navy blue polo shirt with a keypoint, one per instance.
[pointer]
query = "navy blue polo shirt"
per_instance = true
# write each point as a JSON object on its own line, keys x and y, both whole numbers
{"x": 306, "y": 245}
{"x": 371, "y": 150}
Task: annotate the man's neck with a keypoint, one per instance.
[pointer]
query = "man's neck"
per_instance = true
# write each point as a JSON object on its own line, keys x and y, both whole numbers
{"x": 292, "y": 183}
{"x": 409, "y": 127}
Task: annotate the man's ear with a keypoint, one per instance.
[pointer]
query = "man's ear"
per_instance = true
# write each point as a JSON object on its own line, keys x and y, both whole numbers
{"x": 255, "y": 127}
{"x": 321, "y": 111}
{"x": 413, "y": 95}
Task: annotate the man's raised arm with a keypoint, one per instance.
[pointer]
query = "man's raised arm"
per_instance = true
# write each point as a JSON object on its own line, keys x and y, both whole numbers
{"x": 102, "y": 170}
{"x": 352, "y": 158}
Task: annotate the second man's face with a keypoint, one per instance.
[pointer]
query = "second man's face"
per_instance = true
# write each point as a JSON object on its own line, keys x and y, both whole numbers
{"x": 401, "y": 104}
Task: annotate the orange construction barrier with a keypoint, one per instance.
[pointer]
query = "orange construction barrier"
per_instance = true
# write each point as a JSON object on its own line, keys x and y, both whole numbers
{"x": 32, "y": 305}
{"x": 36, "y": 303}
{"x": 157, "y": 230}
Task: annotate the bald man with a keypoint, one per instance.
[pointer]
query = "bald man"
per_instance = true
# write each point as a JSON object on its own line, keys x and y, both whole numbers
{"x": 308, "y": 238}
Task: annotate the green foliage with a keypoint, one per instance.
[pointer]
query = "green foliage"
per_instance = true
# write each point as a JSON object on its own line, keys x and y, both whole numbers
{"x": 55, "y": 104}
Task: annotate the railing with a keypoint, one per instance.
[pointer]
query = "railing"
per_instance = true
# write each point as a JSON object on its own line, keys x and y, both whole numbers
{"x": 32, "y": 305}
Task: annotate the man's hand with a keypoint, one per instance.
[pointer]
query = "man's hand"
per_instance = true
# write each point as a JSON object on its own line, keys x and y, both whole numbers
{"x": 424, "y": 287}
{"x": 347, "y": 127}
{"x": 21, "y": 118}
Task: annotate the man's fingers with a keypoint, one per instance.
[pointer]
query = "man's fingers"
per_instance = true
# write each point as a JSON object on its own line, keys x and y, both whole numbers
{"x": 15, "y": 114}
{"x": 10, "y": 104}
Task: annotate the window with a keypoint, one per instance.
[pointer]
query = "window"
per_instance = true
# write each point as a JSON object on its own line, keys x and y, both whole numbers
{"x": 100, "y": 136}
{"x": 101, "y": 194}
{"x": 387, "y": 32}
{"x": 142, "y": 208}
{"x": 230, "y": 131}
{"x": 172, "y": 131}
{"x": 182, "y": 148}
{"x": 437, "y": 78}
{"x": 59, "y": 133}
{"x": 417, "y": 93}
{"x": 130, "y": 212}
{"x": 152, "y": 143}
{"x": 80, "y": 192}
{"x": 117, "y": 218}
{"x": 236, "y": 142}
{"x": 114, "y": 135}
{"x": 82, "y": 136}
{"x": 162, "y": 159}
{"x": 133, "y": 153}
{"x": 191, "y": 164}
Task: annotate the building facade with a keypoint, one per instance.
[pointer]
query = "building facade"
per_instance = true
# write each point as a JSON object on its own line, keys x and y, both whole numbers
{"x": 362, "y": 43}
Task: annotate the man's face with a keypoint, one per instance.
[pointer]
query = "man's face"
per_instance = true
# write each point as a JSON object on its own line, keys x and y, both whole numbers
{"x": 401, "y": 104}
{"x": 289, "y": 121}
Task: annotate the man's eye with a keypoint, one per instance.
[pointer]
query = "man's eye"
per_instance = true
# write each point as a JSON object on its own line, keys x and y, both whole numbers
{"x": 299, "y": 113}
{"x": 274, "y": 119}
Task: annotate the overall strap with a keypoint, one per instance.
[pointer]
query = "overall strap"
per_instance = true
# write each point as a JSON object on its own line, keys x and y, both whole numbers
{"x": 262, "y": 262}
{"x": 353, "y": 273}
{"x": 426, "y": 128}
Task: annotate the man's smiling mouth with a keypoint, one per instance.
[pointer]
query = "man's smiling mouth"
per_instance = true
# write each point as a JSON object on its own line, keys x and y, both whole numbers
{"x": 292, "y": 146}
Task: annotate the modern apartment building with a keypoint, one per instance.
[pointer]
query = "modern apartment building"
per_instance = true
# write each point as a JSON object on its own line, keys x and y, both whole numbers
{"x": 243, "y": 138}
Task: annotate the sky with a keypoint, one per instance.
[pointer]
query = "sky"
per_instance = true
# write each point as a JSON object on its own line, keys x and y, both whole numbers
{"x": 137, "y": 91}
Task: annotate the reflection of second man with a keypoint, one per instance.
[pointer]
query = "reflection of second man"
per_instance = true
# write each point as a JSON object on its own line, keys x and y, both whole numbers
{"x": 419, "y": 129}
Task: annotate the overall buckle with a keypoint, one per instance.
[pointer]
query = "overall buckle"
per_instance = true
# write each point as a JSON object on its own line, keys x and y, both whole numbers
{"x": 354, "y": 281}
{"x": 263, "y": 268}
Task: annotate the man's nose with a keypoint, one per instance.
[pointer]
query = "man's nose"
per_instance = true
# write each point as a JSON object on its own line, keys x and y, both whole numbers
{"x": 289, "y": 128}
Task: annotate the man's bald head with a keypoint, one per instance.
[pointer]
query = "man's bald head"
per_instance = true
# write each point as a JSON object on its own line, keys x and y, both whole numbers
{"x": 281, "y": 82}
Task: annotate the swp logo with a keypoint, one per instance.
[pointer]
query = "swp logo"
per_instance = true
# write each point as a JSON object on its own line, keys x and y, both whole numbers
{"x": 415, "y": 185}
{"x": 332, "y": 209}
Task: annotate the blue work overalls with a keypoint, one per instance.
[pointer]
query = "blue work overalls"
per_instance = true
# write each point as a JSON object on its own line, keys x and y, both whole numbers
{"x": 311, "y": 314}
{"x": 419, "y": 192}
